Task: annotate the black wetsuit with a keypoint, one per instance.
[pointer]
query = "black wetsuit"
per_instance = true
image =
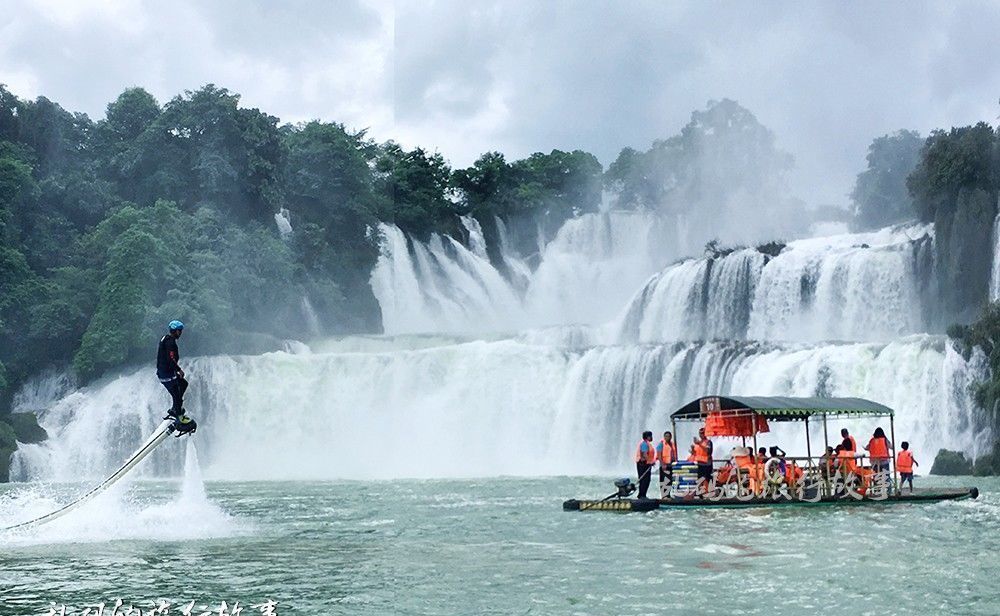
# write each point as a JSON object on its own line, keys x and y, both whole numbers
{"x": 168, "y": 372}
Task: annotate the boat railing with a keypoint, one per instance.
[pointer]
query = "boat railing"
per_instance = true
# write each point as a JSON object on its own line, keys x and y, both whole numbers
{"x": 817, "y": 477}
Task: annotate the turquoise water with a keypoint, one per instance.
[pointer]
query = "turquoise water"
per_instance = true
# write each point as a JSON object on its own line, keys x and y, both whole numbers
{"x": 497, "y": 546}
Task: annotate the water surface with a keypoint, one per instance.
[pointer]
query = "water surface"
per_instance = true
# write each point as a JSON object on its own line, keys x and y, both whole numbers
{"x": 497, "y": 546}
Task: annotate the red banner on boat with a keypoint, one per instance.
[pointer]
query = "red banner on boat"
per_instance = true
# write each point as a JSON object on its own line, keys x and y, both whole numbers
{"x": 718, "y": 424}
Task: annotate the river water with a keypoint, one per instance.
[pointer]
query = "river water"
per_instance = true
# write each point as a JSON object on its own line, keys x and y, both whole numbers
{"x": 495, "y": 546}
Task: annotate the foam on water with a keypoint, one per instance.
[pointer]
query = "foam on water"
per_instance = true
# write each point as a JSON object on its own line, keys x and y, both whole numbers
{"x": 126, "y": 511}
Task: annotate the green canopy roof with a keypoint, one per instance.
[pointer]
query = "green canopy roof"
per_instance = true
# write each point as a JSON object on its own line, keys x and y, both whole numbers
{"x": 785, "y": 409}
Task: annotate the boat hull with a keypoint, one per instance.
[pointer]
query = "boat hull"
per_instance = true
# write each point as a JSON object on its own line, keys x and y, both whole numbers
{"x": 924, "y": 495}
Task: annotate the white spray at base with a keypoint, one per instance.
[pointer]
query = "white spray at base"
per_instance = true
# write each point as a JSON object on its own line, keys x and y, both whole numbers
{"x": 128, "y": 510}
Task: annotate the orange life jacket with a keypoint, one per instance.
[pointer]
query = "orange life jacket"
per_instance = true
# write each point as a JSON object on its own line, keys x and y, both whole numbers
{"x": 668, "y": 453}
{"x": 724, "y": 474}
{"x": 878, "y": 448}
{"x": 792, "y": 473}
{"x": 742, "y": 461}
{"x": 904, "y": 461}
{"x": 649, "y": 456}
{"x": 854, "y": 444}
{"x": 701, "y": 455}
{"x": 847, "y": 463}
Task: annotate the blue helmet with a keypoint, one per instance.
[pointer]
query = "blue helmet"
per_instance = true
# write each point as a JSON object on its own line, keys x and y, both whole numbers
{"x": 175, "y": 325}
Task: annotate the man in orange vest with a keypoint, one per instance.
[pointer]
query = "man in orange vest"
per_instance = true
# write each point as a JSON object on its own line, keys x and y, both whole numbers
{"x": 645, "y": 458}
{"x": 701, "y": 450}
{"x": 666, "y": 454}
{"x": 905, "y": 464}
{"x": 849, "y": 443}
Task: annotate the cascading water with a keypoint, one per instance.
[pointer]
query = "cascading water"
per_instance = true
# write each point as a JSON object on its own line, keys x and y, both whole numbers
{"x": 571, "y": 390}
{"x": 853, "y": 287}
{"x": 480, "y": 407}
{"x": 585, "y": 272}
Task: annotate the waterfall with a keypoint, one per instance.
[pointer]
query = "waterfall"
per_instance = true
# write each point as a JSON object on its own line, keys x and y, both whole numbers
{"x": 440, "y": 286}
{"x": 443, "y": 286}
{"x": 594, "y": 263}
{"x": 311, "y": 318}
{"x": 853, "y": 287}
{"x": 549, "y": 370}
{"x": 283, "y": 220}
{"x": 482, "y": 407}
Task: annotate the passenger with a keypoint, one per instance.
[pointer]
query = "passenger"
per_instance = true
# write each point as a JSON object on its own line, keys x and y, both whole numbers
{"x": 757, "y": 479}
{"x": 878, "y": 449}
{"x": 849, "y": 443}
{"x": 743, "y": 458}
{"x": 905, "y": 464}
{"x": 777, "y": 453}
{"x": 793, "y": 474}
{"x": 701, "y": 448}
{"x": 725, "y": 474}
{"x": 645, "y": 458}
{"x": 827, "y": 461}
{"x": 845, "y": 460}
{"x": 666, "y": 453}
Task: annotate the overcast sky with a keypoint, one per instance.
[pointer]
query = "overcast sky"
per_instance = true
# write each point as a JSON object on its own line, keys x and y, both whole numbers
{"x": 520, "y": 77}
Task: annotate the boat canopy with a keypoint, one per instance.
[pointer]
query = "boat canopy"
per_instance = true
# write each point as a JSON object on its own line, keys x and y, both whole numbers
{"x": 778, "y": 408}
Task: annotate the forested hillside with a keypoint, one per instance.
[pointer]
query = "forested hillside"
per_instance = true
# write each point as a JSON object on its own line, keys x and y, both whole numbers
{"x": 111, "y": 228}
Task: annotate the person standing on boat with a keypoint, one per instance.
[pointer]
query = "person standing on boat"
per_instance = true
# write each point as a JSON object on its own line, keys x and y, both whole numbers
{"x": 905, "y": 464}
{"x": 849, "y": 443}
{"x": 645, "y": 459}
{"x": 827, "y": 461}
{"x": 701, "y": 449}
{"x": 666, "y": 454}
{"x": 878, "y": 448}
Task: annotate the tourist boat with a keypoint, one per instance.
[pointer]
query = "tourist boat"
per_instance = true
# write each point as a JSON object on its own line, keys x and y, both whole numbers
{"x": 820, "y": 483}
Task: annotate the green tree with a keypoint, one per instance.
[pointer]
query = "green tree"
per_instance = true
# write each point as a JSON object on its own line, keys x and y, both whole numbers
{"x": 10, "y": 115}
{"x": 414, "y": 190}
{"x": 489, "y": 186}
{"x": 955, "y": 186}
{"x": 203, "y": 147}
{"x": 950, "y": 161}
{"x": 880, "y": 195}
{"x": 723, "y": 170}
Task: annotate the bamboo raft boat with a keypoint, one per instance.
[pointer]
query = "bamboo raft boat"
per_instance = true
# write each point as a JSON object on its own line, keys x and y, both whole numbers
{"x": 746, "y": 417}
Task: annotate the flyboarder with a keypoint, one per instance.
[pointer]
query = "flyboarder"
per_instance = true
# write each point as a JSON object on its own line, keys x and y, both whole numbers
{"x": 172, "y": 376}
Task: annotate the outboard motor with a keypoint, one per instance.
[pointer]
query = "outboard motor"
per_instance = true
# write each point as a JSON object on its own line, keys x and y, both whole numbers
{"x": 625, "y": 487}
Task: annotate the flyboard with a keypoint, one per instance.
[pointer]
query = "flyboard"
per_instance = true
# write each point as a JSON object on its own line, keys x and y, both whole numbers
{"x": 165, "y": 429}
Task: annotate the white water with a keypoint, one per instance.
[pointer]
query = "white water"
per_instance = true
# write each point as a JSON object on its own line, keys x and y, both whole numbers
{"x": 485, "y": 408}
{"x": 552, "y": 370}
{"x": 158, "y": 513}
{"x": 585, "y": 274}
{"x": 856, "y": 287}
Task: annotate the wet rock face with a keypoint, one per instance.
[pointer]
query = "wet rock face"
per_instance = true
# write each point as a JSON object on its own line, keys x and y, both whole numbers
{"x": 951, "y": 463}
{"x": 17, "y": 428}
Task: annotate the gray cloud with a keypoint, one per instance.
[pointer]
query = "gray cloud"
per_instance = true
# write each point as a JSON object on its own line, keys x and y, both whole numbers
{"x": 519, "y": 77}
